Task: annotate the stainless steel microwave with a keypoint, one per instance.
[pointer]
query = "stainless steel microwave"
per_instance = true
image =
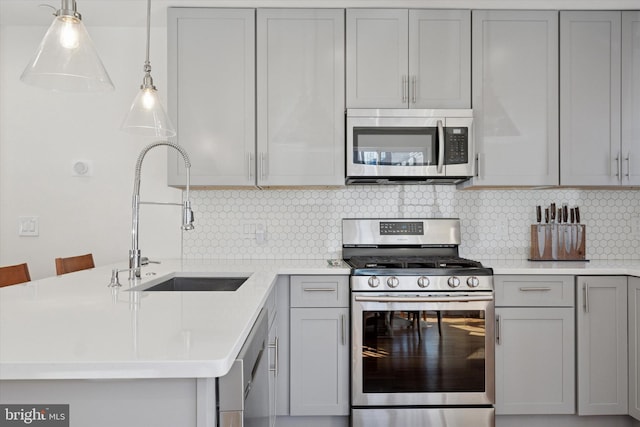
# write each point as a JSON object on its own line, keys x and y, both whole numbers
{"x": 388, "y": 146}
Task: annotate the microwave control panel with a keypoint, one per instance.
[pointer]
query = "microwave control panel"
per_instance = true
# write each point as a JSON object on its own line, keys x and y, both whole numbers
{"x": 456, "y": 145}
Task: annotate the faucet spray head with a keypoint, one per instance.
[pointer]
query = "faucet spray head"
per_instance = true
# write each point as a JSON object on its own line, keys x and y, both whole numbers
{"x": 187, "y": 216}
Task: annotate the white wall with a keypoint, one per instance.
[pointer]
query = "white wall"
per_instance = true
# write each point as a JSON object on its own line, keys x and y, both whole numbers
{"x": 42, "y": 132}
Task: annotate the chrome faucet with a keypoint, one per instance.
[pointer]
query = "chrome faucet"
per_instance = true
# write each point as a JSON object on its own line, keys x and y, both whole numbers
{"x": 135, "y": 259}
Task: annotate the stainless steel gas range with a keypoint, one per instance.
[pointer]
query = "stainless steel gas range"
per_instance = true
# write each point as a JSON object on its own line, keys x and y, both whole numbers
{"x": 422, "y": 326}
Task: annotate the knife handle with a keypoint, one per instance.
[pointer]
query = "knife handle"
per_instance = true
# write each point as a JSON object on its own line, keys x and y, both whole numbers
{"x": 559, "y": 214}
{"x": 565, "y": 213}
{"x": 538, "y": 214}
{"x": 546, "y": 215}
{"x": 577, "y": 209}
{"x": 552, "y": 211}
{"x": 573, "y": 215}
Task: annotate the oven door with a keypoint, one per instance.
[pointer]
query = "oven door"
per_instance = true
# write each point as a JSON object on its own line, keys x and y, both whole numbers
{"x": 422, "y": 349}
{"x": 395, "y": 147}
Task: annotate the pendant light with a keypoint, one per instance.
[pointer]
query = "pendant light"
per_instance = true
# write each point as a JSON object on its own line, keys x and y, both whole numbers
{"x": 66, "y": 59}
{"x": 147, "y": 116}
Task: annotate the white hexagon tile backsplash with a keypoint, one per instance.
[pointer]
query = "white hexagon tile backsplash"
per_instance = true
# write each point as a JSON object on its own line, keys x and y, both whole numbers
{"x": 306, "y": 224}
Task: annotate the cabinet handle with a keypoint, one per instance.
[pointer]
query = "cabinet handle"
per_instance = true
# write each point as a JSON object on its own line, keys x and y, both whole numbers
{"x": 619, "y": 166}
{"x": 405, "y": 89}
{"x": 319, "y": 289}
{"x": 498, "y": 338}
{"x": 440, "y": 146}
{"x": 263, "y": 166}
{"x": 250, "y": 164}
{"x": 478, "y": 165}
{"x": 535, "y": 289}
{"x": 344, "y": 330}
{"x": 586, "y": 297}
{"x": 414, "y": 84}
{"x": 628, "y": 159}
{"x": 275, "y": 357}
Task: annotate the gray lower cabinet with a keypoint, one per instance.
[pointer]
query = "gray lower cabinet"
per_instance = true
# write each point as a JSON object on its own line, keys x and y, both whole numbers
{"x": 535, "y": 345}
{"x": 601, "y": 313}
{"x": 319, "y": 346}
{"x": 634, "y": 347}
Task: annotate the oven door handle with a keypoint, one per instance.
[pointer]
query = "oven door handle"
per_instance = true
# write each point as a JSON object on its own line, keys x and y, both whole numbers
{"x": 418, "y": 299}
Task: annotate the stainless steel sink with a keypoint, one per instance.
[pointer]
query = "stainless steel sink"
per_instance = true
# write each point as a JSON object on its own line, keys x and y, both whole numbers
{"x": 187, "y": 284}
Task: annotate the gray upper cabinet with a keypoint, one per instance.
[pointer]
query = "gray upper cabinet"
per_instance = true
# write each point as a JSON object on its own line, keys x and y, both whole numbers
{"x": 212, "y": 94}
{"x": 600, "y": 98}
{"x": 399, "y": 58}
{"x": 630, "y": 145}
{"x": 300, "y": 97}
{"x": 258, "y": 113}
{"x": 515, "y": 97}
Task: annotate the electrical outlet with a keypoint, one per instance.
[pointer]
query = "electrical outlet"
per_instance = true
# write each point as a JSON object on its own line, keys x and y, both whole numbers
{"x": 28, "y": 226}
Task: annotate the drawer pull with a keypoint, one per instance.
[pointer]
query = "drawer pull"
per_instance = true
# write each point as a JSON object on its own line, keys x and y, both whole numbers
{"x": 535, "y": 289}
{"x": 319, "y": 289}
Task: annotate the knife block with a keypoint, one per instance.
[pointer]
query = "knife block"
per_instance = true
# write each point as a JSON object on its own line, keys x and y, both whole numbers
{"x": 542, "y": 244}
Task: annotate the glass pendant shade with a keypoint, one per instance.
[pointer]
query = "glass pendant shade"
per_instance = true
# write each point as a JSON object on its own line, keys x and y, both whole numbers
{"x": 147, "y": 116}
{"x": 66, "y": 60}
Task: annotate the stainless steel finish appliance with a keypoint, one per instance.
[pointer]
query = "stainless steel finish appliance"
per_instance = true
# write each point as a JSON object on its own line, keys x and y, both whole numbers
{"x": 244, "y": 392}
{"x": 386, "y": 146}
{"x": 423, "y": 325}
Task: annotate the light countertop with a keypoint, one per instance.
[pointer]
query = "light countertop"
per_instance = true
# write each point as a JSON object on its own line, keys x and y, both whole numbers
{"x": 75, "y": 327}
{"x": 577, "y": 268}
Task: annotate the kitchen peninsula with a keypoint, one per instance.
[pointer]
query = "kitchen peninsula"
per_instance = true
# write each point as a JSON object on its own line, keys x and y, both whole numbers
{"x": 152, "y": 357}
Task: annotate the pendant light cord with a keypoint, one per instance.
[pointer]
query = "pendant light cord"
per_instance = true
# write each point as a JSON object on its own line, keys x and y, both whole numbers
{"x": 147, "y": 63}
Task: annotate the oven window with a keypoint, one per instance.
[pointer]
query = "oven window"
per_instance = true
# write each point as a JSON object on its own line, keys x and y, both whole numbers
{"x": 423, "y": 351}
{"x": 394, "y": 146}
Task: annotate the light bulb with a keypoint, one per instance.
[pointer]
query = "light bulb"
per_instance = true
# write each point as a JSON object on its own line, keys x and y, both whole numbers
{"x": 69, "y": 35}
{"x": 148, "y": 99}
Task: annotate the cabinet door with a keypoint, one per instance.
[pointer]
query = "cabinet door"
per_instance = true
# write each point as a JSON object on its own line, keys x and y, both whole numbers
{"x": 377, "y": 58}
{"x": 634, "y": 347}
{"x": 535, "y": 361}
{"x": 515, "y": 97}
{"x": 630, "y": 97}
{"x": 300, "y": 97}
{"x": 590, "y": 98}
{"x": 319, "y": 361}
{"x": 440, "y": 58}
{"x": 601, "y": 313}
{"x": 212, "y": 94}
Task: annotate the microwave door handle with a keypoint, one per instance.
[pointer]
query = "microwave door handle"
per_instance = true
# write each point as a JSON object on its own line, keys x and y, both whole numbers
{"x": 440, "y": 146}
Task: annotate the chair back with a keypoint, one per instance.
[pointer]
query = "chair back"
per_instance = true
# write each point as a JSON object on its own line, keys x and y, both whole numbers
{"x": 74, "y": 263}
{"x": 14, "y": 274}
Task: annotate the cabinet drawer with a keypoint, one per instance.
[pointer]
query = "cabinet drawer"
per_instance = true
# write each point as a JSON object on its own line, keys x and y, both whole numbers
{"x": 319, "y": 291}
{"x": 534, "y": 291}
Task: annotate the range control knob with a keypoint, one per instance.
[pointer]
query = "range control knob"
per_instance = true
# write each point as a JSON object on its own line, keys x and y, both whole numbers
{"x": 393, "y": 282}
{"x": 374, "y": 282}
{"x": 473, "y": 282}
{"x": 423, "y": 282}
{"x": 453, "y": 282}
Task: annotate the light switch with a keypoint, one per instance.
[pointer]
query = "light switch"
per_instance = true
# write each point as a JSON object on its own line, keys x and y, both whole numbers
{"x": 28, "y": 226}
